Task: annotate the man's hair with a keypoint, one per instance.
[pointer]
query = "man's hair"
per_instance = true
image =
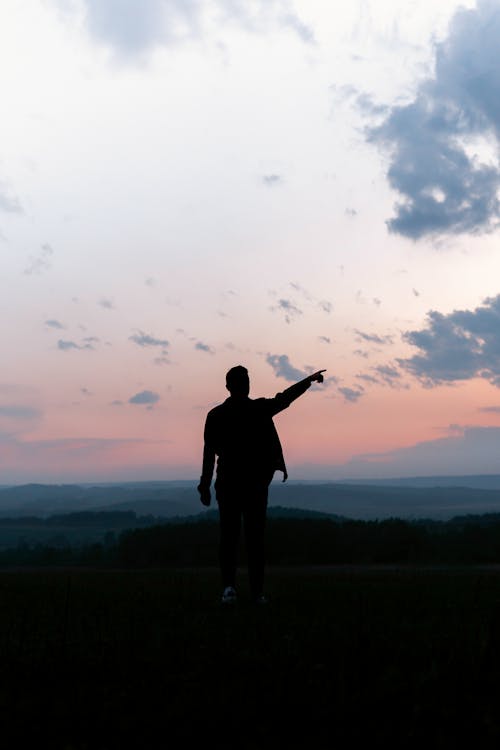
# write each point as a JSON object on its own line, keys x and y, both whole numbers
{"x": 235, "y": 376}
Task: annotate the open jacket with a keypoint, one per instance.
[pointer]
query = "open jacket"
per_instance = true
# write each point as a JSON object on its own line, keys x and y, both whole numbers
{"x": 242, "y": 434}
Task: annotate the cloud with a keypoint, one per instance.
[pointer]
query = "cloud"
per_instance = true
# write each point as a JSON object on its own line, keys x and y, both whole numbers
{"x": 489, "y": 409}
{"x": 283, "y": 368}
{"x": 108, "y": 304}
{"x": 373, "y": 338}
{"x": 351, "y": 212}
{"x": 37, "y": 264}
{"x": 324, "y": 339}
{"x": 325, "y": 305}
{"x": 116, "y": 402}
{"x": 472, "y": 450}
{"x": 388, "y": 375}
{"x": 144, "y": 397}
{"x": 162, "y": 359}
{"x": 368, "y": 378}
{"x": 134, "y": 27}
{"x": 144, "y": 339}
{"x": 352, "y": 394}
{"x": 16, "y": 411}
{"x": 88, "y": 343}
{"x": 462, "y": 345}
{"x": 271, "y": 180}
{"x": 9, "y": 203}
{"x": 204, "y": 347}
{"x": 54, "y": 324}
{"x": 289, "y": 308}
{"x": 443, "y": 145}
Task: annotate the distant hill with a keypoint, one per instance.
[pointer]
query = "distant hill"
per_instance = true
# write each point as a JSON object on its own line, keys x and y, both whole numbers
{"x": 166, "y": 500}
{"x": 474, "y": 481}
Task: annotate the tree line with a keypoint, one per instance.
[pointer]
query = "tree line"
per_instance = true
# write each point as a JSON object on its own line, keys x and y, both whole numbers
{"x": 289, "y": 541}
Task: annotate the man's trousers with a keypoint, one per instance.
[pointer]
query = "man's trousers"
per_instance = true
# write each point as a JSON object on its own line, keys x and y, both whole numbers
{"x": 249, "y": 503}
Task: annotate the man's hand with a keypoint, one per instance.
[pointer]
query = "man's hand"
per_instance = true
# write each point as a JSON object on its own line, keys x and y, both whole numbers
{"x": 317, "y": 376}
{"x": 205, "y": 495}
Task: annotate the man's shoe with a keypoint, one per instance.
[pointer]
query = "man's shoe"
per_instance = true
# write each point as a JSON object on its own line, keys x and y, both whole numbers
{"x": 261, "y": 600}
{"x": 228, "y": 595}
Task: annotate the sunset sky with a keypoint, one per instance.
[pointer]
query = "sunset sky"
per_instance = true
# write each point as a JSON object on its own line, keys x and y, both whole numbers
{"x": 187, "y": 185}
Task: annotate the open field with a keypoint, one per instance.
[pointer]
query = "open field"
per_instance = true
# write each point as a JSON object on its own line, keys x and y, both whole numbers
{"x": 104, "y": 659}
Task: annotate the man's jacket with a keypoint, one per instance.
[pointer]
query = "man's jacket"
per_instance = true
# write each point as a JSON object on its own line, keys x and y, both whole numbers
{"x": 241, "y": 433}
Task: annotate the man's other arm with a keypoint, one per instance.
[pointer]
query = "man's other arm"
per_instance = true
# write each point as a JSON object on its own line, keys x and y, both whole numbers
{"x": 208, "y": 462}
{"x": 283, "y": 400}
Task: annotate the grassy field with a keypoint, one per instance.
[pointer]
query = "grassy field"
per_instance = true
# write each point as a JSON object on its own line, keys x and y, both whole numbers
{"x": 108, "y": 659}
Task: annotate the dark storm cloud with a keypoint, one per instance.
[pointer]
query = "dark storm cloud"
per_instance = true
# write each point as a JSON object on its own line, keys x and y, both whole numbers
{"x": 443, "y": 187}
{"x": 373, "y": 338}
{"x": 145, "y": 340}
{"x": 283, "y": 368}
{"x": 144, "y": 398}
{"x": 134, "y": 27}
{"x": 462, "y": 345}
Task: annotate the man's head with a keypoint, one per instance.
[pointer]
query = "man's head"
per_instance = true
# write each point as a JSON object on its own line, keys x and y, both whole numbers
{"x": 237, "y": 381}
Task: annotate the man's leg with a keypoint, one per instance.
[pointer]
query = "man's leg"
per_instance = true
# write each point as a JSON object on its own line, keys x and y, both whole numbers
{"x": 254, "y": 514}
{"x": 229, "y": 534}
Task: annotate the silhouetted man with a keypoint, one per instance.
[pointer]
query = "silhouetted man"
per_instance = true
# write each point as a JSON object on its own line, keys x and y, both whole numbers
{"x": 242, "y": 434}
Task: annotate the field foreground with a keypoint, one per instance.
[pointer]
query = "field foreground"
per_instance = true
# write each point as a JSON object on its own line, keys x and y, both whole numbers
{"x": 108, "y": 659}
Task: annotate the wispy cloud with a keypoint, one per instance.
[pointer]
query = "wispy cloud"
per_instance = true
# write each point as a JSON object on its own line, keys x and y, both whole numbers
{"x": 272, "y": 180}
{"x": 351, "y": 394}
{"x": 132, "y": 29}
{"x": 283, "y": 368}
{"x": 289, "y": 308}
{"x": 489, "y": 409}
{"x": 106, "y": 303}
{"x": 19, "y": 411}
{"x": 144, "y": 398}
{"x": 9, "y": 203}
{"x": 373, "y": 338}
{"x": 52, "y": 323}
{"x": 88, "y": 342}
{"x": 146, "y": 340}
{"x": 41, "y": 262}
{"x": 201, "y": 347}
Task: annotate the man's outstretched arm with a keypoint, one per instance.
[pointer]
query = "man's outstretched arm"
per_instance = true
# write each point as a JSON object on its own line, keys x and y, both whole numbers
{"x": 284, "y": 399}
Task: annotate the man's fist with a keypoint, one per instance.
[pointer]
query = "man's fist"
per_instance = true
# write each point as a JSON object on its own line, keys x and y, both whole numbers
{"x": 205, "y": 495}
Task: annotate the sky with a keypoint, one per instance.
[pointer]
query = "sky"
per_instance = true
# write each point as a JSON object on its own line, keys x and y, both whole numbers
{"x": 188, "y": 185}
